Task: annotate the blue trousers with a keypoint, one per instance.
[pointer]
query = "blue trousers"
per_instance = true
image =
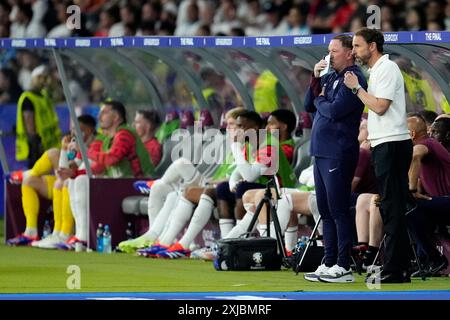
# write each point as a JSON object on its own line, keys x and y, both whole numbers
{"x": 333, "y": 181}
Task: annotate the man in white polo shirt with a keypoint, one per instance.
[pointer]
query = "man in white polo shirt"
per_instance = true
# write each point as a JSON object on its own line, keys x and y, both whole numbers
{"x": 391, "y": 147}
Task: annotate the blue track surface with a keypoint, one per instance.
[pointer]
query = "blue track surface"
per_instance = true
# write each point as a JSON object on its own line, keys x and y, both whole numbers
{"x": 375, "y": 295}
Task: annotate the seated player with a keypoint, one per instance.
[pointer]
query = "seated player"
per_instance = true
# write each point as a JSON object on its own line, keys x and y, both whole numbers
{"x": 163, "y": 197}
{"x": 39, "y": 181}
{"x": 117, "y": 152}
{"x": 146, "y": 122}
{"x": 295, "y": 201}
{"x": 281, "y": 120}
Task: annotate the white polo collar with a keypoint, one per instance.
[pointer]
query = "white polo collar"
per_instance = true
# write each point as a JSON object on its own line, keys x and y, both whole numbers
{"x": 383, "y": 58}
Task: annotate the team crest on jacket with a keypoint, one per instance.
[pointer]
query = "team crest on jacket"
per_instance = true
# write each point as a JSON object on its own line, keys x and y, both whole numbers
{"x": 335, "y": 83}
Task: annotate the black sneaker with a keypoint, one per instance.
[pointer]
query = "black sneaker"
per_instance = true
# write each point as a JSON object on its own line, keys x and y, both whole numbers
{"x": 437, "y": 266}
{"x": 432, "y": 269}
{"x": 389, "y": 277}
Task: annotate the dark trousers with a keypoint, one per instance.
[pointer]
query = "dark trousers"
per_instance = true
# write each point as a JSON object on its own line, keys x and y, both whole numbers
{"x": 391, "y": 161}
{"x": 224, "y": 193}
{"x": 423, "y": 222}
{"x": 333, "y": 181}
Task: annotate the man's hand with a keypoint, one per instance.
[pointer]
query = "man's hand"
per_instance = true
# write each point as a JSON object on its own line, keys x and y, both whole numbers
{"x": 418, "y": 195}
{"x": 233, "y": 184}
{"x": 65, "y": 142}
{"x": 322, "y": 64}
{"x": 365, "y": 145}
{"x": 323, "y": 92}
{"x": 64, "y": 173}
{"x": 350, "y": 80}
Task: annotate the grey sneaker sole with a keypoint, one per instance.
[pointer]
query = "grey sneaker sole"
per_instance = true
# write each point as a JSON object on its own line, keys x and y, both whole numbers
{"x": 348, "y": 278}
{"x": 313, "y": 278}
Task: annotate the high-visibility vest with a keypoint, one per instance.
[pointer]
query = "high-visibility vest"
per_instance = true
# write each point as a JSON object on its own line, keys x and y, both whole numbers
{"x": 46, "y": 122}
{"x": 206, "y": 93}
{"x": 166, "y": 129}
{"x": 265, "y": 96}
{"x": 419, "y": 91}
{"x": 225, "y": 169}
{"x": 285, "y": 172}
{"x": 123, "y": 168}
{"x": 445, "y": 106}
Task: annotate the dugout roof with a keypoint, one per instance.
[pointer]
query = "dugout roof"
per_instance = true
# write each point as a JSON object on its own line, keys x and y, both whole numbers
{"x": 166, "y": 72}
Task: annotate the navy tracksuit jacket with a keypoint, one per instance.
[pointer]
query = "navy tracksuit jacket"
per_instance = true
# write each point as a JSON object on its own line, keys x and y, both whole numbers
{"x": 334, "y": 144}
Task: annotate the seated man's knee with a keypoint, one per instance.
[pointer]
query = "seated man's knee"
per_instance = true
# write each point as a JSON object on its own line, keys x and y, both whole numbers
{"x": 53, "y": 155}
{"x": 182, "y": 164}
{"x": 187, "y": 192}
{"x": 210, "y": 192}
{"x": 193, "y": 194}
{"x": 32, "y": 181}
{"x": 249, "y": 196}
{"x": 259, "y": 194}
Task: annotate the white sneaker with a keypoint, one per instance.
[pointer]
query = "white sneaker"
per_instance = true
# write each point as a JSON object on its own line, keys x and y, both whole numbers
{"x": 314, "y": 276}
{"x": 51, "y": 242}
{"x": 337, "y": 274}
{"x": 38, "y": 242}
{"x": 206, "y": 253}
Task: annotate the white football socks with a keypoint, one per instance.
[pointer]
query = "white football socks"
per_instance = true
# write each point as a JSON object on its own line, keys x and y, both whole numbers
{"x": 291, "y": 237}
{"x": 180, "y": 216}
{"x": 78, "y": 191}
{"x": 241, "y": 227}
{"x": 157, "y": 198}
{"x": 225, "y": 226}
{"x": 200, "y": 218}
{"x": 157, "y": 227}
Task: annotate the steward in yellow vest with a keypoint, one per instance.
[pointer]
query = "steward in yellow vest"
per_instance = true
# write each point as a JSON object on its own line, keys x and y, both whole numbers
{"x": 37, "y": 125}
{"x": 268, "y": 94}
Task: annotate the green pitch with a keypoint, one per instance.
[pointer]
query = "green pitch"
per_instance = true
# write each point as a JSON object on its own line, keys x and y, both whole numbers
{"x": 32, "y": 270}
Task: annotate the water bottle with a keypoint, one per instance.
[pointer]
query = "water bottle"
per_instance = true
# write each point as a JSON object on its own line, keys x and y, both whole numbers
{"x": 47, "y": 229}
{"x": 100, "y": 238}
{"x": 129, "y": 232}
{"x": 106, "y": 240}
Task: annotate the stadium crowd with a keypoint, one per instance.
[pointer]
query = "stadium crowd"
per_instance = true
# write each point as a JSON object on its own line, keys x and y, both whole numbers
{"x": 40, "y": 18}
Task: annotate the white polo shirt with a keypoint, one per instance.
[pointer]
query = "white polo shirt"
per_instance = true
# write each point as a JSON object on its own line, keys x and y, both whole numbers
{"x": 386, "y": 81}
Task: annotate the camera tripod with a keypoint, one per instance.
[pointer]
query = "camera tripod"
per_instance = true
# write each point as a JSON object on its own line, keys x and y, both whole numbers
{"x": 271, "y": 210}
{"x": 308, "y": 244}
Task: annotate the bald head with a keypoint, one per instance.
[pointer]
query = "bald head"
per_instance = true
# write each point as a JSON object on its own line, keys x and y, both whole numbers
{"x": 417, "y": 127}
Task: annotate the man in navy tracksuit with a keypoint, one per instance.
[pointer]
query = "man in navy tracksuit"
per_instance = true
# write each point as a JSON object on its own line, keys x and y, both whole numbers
{"x": 334, "y": 144}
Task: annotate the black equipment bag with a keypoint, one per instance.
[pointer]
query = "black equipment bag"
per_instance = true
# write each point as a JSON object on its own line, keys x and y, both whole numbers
{"x": 313, "y": 258}
{"x": 247, "y": 254}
